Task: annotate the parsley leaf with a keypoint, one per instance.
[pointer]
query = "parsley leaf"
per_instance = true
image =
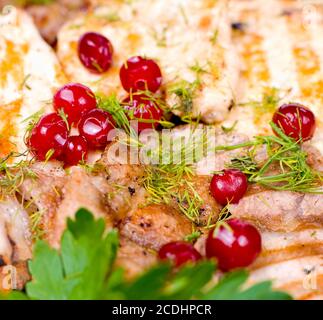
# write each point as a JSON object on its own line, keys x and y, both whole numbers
{"x": 83, "y": 269}
{"x": 80, "y": 269}
{"x": 48, "y": 275}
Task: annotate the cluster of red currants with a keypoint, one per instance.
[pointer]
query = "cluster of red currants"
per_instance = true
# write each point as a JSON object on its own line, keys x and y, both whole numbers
{"x": 139, "y": 77}
{"x": 51, "y": 137}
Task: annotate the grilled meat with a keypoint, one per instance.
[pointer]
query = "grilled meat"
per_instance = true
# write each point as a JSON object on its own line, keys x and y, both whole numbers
{"x": 29, "y": 75}
{"x": 133, "y": 31}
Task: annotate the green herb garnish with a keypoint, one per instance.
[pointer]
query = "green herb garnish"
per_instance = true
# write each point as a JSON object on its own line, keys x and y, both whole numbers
{"x": 193, "y": 236}
{"x": 267, "y": 104}
{"x": 160, "y": 37}
{"x": 83, "y": 269}
{"x": 64, "y": 116}
{"x": 285, "y": 167}
{"x": 185, "y": 92}
{"x": 214, "y": 37}
{"x": 112, "y": 105}
{"x": 229, "y": 129}
{"x": 110, "y": 17}
{"x": 12, "y": 176}
{"x": 172, "y": 178}
{"x": 33, "y": 2}
{"x": 32, "y": 120}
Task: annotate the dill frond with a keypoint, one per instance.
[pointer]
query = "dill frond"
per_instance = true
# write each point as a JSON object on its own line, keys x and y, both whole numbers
{"x": 37, "y": 230}
{"x": 112, "y": 105}
{"x": 33, "y": 119}
{"x": 285, "y": 167}
{"x": 160, "y": 37}
{"x": 229, "y": 129}
{"x": 266, "y": 106}
{"x": 185, "y": 92}
{"x": 173, "y": 181}
{"x": 193, "y": 236}
{"x": 64, "y": 116}
{"x": 12, "y": 176}
{"x": 214, "y": 37}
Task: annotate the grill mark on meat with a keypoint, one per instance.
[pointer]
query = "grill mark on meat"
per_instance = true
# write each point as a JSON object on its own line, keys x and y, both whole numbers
{"x": 155, "y": 225}
{"x": 307, "y": 61}
{"x": 280, "y": 210}
{"x": 289, "y": 275}
{"x": 134, "y": 258}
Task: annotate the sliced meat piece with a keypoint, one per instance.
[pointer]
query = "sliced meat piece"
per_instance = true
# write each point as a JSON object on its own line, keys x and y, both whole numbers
{"x": 155, "y": 225}
{"x": 315, "y": 158}
{"x": 43, "y": 192}
{"x": 78, "y": 192}
{"x": 282, "y": 246}
{"x": 29, "y": 75}
{"x": 301, "y": 277}
{"x": 51, "y": 17}
{"x": 199, "y": 245}
{"x": 15, "y": 236}
{"x": 133, "y": 258}
{"x": 198, "y": 80}
{"x": 120, "y": 183}
{"x": 209, "y": 209}
{"x": 279, "y": 210}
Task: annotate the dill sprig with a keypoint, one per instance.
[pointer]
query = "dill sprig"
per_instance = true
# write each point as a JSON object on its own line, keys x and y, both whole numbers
{"x": 12, "y": 176}
{"x": 173, "y": 181}
{"x": 112, "y": 105}
{"x": 37, "y": 229}
{"x": 160, "y": 37}
{"x": 185, "y": 92}
{"x": 214, "y": 37}
{"x": 285, "y": 167}
{"x": 64, "y": 116}
{"x": 266, "y": 106}
{"x": 32, "y": 120}
{"x": 169, "y": 183}
{"x": 193, "y": 236}
{"x": 224, "y": 215}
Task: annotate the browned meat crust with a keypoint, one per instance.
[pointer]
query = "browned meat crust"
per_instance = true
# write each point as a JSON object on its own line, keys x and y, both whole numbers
{"x": 280, "y": 210}
{"x": 134, "y": 258}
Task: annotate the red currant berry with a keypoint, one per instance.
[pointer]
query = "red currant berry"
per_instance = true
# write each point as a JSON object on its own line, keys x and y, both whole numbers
{"x": 74, "y": 99}
{"x": 179, "y": 252}
{"x": 95, "y": 52}
{"x": 228, "y": 186}
{"x": 94, "y": 126}
{"x": 143, "y": 109}
{"x": 142, "y": 74}
{"x": 75, "y": 150}
{"x": 296, "y": 121}
{"x": 48, "y": 135}
{"x": 235, "y": 248}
